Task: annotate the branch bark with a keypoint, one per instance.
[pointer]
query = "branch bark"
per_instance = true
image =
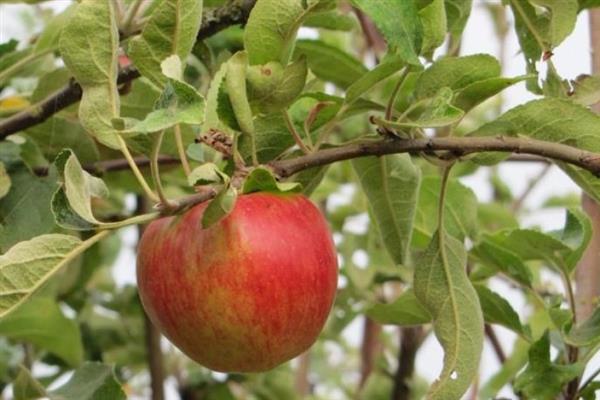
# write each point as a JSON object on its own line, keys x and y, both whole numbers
{"x": 458, "y": 146}
{"x": 233, "y": 13}
{"x": 410, "y": 341}
{"x": 369, "y": 350}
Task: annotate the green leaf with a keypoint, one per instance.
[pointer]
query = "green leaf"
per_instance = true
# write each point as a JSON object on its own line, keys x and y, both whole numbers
{"x": 475, "y": 93}
{"x": 543, "y": 379}
{"x": 219, "y": 207}
{"x": 399, "y": 23}
{"x": 58, "y": 133}
{"x": 329, "y": 63}
{"x": 457, "y": 15}
{"x": 26, "y": 387}
{"x": 5, "y": 181}
{"x": 37, "y": 320}
{"x": 391, "y": 184}
{"x": 366, "y": 82}
{"x": 235, "y": 83}
{"x": 8, "y": 47}
{"x": 262, "y": 179}
{"x": 272, "y": 88}
{"x": 404, "y": 311}
{"x": 438, "y": 113}
{"x": 171, "y": 30}
{"x": 179, "y": 103}
{"x": 27, "y": 265}
{"x": 89, "y": 45}
{"x": 442, "y": 286}
{"x": 587, "y": 333}
{"x": 271, "y": 135}
{"x": 48, "y": 39}
{"x": 78, "y": 188}
{"x": 330, "y": 20}
{"x": 211, "y": 111}
{"x": 206, "y": 174}
{"x": 93, "y": 381}
{"x": 494, "y": 254}
{"x": 25, "y": 210}
{"x": 496, "y": 310}
{"x": 433, "y": 19}
{"x": 553, "y": 120}
{"x": 507, "y": 372}
{"x": 271, "y": 29}
{"x": 456, "y": 73}
{"x": 460, "y": 215}
{"x": 586, "y": 90}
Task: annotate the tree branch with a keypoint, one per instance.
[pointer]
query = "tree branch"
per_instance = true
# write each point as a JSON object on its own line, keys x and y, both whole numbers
{"x": 235, "y": 12}
{"x": 457, "y": 146}
{"x": 410, "y": 341}
{"x": 117, "y": 164}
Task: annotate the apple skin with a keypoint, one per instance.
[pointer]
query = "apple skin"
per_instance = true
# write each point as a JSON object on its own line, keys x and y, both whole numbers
{"x": 247, "y": 294}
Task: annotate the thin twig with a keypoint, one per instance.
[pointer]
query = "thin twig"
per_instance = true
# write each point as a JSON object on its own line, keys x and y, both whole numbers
{"x": 490, "y": 333}
{"x": 294, "y": 132}
{"x": 181, "y": 151}
{"x": 410, "y": 341}
{"x": 533, "y": 183}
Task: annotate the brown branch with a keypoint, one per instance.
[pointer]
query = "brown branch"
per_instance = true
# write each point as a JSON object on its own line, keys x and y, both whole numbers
{"x": 369, "y": 350}
{"x": 410, "y": 341}
{"x": 533, "y": 183}
{"x": 490, "y": 333}
{"x": 458, "y": 146}
{"x": 233, "y": 13}
{"x": 587, "y": 275}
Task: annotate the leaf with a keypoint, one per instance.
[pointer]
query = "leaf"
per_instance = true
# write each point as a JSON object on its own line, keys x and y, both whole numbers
{"x": 404, "y": 311}
{"x": 438, "y": 113}
{"x": 27, "y": 265}
{"x": 576, "y": 234}
{"x": 496, "y": 310}
{"x": 507, "y": 372}
{"x": 171, "y": 30}
{"x": 89, "y": 45}
{"x": 399, "y": 23}
{"x": 179, "y": 103}
{"x": 26, "y": 387}
{"x": 48, "y": 39}
{"x": 443, "y": 288}
{"x": 5, "y": 181}
{"x": 587, "y": 333}
{"x": 25, "y": 210}
{"x": 272, "y": 138}
{"x": 219, "y": 207}
{"x": 553, "y": 120}
{"x": 272, "y": 88}
{"x": 92, "y": 381}
{"x": 370, "y": 79}
{"x": 475, "y": 93}
{"x": 211, "y": 114}
{"x": 543, "y": 379}
{"x": 330, "y": 20}
{"x": 501, "y": 258}
{"x": 391, "y": 184}
{"x": 206, "y": 174}
{"x": 433, "y": 19}
{"x": 271, "y": 29}
{"x": 456, "y": 73}
{"x": 457, "y": 15}
{"x": 262, "y": 179}
{"x": 329, "y": 63}
{"x": 586, "y": 90}
{"x": 37, "y": 321}
{"x": 460, "y": 215}
{"x": 235, "y": 83}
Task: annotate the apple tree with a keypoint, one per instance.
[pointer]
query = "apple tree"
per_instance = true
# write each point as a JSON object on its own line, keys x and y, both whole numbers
{"x": 205, "y": 126}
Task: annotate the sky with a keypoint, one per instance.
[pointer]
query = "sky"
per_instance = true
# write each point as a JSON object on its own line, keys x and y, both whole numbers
{"x": 572, "y": 58}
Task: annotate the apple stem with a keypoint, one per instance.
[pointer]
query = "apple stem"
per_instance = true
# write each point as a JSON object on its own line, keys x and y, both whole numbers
{"x": 154, "y": 169}
{"x": 136, "y": 170}
{"x": 294, "y": 132}
{"x": 181, "y": 150}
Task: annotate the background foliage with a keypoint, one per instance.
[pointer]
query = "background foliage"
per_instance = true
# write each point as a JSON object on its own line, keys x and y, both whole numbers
{"x": 116, "y": 106}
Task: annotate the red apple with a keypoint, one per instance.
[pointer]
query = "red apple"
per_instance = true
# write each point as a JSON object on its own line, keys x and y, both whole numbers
{"x": 248, "y": 293}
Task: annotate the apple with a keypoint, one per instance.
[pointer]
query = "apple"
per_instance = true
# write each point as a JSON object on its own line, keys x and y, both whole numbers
{"x": 246, "y": 294}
